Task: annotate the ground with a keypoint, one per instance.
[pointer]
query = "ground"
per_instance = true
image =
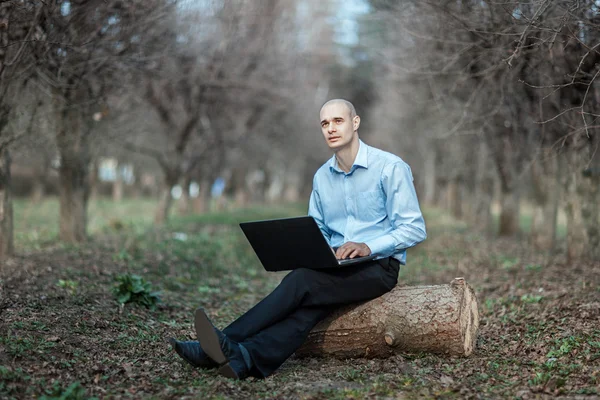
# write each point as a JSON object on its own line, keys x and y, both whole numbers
{"x": 63, "y": 334}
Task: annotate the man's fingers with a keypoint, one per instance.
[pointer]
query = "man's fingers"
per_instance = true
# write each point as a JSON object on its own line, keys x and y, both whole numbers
{"x": 345, "y": 251}
{"x": 343, "y": 254}
{"x": 342, "y": 251}
{"x": 351, "y": 251}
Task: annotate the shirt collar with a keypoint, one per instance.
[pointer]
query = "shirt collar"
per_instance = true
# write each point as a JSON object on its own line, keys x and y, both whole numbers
{"x": 361, "y": 159}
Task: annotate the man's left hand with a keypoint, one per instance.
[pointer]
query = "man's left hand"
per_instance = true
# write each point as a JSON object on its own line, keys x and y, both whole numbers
{"x": 352, "y": 250}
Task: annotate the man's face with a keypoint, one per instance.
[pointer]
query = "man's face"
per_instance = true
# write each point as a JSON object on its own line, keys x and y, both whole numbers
{"x": 337, "y": 125}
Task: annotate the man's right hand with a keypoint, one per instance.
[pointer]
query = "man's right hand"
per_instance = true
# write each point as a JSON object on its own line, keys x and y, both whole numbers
{"x": 352, "y": 250}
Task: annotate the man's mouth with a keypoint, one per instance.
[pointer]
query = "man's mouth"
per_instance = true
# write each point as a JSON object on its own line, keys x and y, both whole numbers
{"x": 333, "y": 138}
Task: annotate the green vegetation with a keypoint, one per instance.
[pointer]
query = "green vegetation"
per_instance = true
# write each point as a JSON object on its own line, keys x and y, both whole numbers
{"x": 134, "y": 289}
{"x": 73, "y": 392}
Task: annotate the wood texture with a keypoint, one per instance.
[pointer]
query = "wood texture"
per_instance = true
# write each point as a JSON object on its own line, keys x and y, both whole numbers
{"x": 440, "y": 319}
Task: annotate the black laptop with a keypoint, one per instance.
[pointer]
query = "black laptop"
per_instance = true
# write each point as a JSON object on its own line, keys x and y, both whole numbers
{"x": 290, "y": 243}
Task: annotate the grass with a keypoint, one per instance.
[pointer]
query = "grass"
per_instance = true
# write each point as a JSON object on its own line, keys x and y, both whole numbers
{"x": 36, "y": 225}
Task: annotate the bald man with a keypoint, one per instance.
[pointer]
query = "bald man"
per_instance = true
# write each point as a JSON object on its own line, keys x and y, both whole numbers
{"x": 364, "y": 203}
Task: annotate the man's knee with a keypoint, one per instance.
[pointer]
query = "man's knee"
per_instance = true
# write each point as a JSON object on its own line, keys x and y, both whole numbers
{"x": 300, "y": 275}
{"x": 304, "y": 279}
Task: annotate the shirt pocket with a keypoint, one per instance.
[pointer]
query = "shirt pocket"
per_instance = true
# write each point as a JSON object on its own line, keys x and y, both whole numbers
{"x": 370, "y": 206}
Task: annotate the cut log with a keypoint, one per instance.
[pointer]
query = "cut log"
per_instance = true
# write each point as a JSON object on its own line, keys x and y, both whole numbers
{"x": 441, "y": 319}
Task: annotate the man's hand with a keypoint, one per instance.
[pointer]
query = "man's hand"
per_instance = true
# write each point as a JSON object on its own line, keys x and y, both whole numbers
{"x": 352, "y": 250}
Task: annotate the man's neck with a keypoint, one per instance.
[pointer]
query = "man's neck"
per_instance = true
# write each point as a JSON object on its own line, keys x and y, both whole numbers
{"x": 345, "y": 157}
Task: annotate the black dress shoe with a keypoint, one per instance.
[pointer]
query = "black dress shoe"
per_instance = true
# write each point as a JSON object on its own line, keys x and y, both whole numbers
{"x": 193, "y": 354}
{"x": 220, "y": 348}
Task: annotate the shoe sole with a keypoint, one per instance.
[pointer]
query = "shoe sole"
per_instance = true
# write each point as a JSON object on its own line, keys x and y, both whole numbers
{"x": 209, "y": 341}
{"x": 228, "y": 372}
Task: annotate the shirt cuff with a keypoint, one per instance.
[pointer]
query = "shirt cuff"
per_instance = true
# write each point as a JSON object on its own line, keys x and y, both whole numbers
{"x": 382, "y": 246}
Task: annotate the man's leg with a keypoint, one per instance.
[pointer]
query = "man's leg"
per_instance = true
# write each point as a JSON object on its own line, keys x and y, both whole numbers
{"x": 269, "y": 348}
{"x": 272, "y": 345}
{"x": 307, "y": 287}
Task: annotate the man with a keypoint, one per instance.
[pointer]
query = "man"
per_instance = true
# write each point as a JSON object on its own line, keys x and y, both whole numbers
{"x": 364, "y": 202}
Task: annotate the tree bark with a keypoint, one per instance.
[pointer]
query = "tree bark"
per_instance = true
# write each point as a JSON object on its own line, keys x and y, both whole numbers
{"x": 454, "y": 197}
{"x": 185, "y": 200}
{"x": 117, "y": 189}
{"x": 441, "y": 198}
{"x": 94, "y": 180}
{"x": 583, "y": 210}
{"x": 509, "y": 213}
{"x": 201, "y": 203}
{"x": 439, "y": 319}
{"x": 484, "y": 191}
{"x": 164, "y": 204}
{"x": 73, "y": 202}
{"x": 165, "y": 199}
{"x": 6, "y": 208}
{"x": 429, "y": 172}
{"x": 544, "y": 180}
{"x": 73, "y": 185}
{"x": 591, "y": 200}
{"x": 118, "y": 184}
{"x": 576, "y": 237}
{"x": 38, "y": 190}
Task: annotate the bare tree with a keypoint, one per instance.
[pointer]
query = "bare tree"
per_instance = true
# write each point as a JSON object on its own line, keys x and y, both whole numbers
{"x": 18, "y": 23}
{"x": 84, "y": 48}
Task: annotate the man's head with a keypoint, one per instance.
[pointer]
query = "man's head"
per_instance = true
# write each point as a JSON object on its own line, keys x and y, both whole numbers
{"x": 339, "y": 123}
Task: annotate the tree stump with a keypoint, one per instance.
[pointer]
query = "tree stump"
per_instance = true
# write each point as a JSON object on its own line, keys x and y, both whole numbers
{"x": 441, "y": 319}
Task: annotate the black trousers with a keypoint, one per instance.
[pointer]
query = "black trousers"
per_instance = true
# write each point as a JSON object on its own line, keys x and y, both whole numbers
{"x": 277, "y": 326}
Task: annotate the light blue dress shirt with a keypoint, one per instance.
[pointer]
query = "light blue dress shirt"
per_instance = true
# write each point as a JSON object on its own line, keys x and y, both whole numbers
{"x": 375, "y": 203}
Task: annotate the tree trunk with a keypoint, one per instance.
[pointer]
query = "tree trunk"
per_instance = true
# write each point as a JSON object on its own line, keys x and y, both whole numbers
{"x": 583, "y": 210}
{"x": 40, "y": 178}
{"x": 73, "y": 202}
{"x": 544, "y": 181}
{"x": 591, "y": 200}
{"x": 6, "y": 209}
{"x": 454, "y": 197}
{"x": 38, "y": 190}
{"x": 94, "y": 180}
{"x": 576, "y": 237}
{"x": 483, "y": 192}
{"x": 117, "y": 187}
{"x": 429, "y": 173}
{"x": 164, "y": 204}
{"x": 591, "y": 214}
{"x": 441, "y": 199}
{"x": 165, "y": 198}
{"x": 73, "y": 185}
{"x": 292, "y": 181}
{"x": 202, "y": 202}
{"x": 509, "y": 213}
{"x": 439, "y": 319}
{"x": 185, "y": 199}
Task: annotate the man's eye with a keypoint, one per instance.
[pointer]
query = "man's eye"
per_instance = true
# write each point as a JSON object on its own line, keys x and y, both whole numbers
{"x": 324, "y": 124}
{"x": 339, "y": 121}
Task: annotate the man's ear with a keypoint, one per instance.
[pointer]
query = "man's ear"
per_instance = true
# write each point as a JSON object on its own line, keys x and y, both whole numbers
{"x": 356, "y": 122}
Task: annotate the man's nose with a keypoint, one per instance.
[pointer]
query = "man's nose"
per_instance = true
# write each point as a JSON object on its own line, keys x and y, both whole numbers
{"x": 331, "y": 128}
